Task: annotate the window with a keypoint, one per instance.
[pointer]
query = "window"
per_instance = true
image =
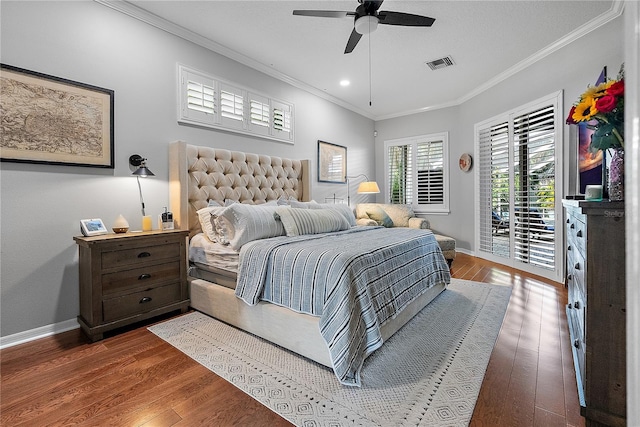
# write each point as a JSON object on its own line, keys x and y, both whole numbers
{"x": 516, "y": 200}
{"x": 208, "y": 101}
{"x": 417, "y": 173}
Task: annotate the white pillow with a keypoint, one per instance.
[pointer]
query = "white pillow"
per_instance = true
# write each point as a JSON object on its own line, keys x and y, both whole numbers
{"x": 345, "y": 210}
{"x": 207, "y": 216}
{"x": 298, "y": 221}
{"x": 241, "y": 223}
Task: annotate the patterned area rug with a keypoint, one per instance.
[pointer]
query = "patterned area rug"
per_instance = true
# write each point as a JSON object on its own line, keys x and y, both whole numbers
{"x": 428, "y": 374}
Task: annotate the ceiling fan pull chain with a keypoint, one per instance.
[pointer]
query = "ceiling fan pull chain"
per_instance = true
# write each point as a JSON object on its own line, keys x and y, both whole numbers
{"x": 369, "y": 69}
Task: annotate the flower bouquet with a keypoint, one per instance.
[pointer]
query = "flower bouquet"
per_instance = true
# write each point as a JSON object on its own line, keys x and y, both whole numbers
{"x": 602, "y": 108}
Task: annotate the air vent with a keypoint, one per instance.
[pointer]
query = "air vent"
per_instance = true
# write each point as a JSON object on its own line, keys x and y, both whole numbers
{"x": 440, "y": 63}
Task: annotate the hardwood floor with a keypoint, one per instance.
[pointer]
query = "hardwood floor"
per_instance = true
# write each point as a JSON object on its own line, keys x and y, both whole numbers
{"x": 134, "y": 378}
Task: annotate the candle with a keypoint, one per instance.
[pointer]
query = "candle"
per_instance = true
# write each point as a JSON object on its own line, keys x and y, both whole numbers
{"x": 147, "y": 223}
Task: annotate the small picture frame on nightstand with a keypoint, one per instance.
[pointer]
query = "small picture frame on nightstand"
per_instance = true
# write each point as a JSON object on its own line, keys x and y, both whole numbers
{"x": 92, "y": 227}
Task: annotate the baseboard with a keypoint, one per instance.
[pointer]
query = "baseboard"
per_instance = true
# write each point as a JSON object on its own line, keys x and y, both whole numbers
{"x": 41, "y": 332}
{"x": 466, "y": 251}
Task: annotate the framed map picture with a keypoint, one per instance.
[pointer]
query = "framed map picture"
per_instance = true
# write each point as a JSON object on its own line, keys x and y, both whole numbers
{"x": 50, "y": 120}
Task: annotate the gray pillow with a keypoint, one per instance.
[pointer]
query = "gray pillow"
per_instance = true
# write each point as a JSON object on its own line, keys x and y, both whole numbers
{"x": 298, "y": 221}
{"x": 244, "y": 223}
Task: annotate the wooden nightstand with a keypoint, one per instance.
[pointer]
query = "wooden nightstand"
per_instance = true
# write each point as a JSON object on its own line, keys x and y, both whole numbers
{"x": 125, "y": 278}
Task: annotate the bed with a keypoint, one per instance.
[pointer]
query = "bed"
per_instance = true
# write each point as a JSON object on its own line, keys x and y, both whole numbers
{"x": 305, "y": 324}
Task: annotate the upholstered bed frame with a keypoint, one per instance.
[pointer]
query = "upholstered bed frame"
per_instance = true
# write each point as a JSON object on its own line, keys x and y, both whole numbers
{"x": 198, "y": 174}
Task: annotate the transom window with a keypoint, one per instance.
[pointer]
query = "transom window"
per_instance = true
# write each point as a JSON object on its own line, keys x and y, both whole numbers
{"x": 209, "y": 101}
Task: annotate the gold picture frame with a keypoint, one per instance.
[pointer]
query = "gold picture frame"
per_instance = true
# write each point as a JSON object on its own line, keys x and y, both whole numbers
{"x": 51, "y": 120}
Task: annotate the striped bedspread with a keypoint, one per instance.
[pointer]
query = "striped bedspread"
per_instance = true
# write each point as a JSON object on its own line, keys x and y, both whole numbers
{"x": 354, "y": 280}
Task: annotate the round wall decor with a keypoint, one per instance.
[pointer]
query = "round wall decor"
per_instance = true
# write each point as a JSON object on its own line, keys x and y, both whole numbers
{"x": 465, "y": 162}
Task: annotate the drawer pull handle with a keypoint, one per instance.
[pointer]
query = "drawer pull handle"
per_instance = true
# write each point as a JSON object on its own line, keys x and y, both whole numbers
{"x": 144, "y": 254}
{"x": 579, "y": 233}
{"x": 568, "y": 248}
{"x": 577, "y": 266}
{"x": 576, "y": 305}
{"x": 576, "y": 343}
{"x": 145, "y": 299}
{"x": 144, "y": 276}
{"x": 573, "y": 226}
{"x": 568, "y": 221}
{"x": 569, "y": 277}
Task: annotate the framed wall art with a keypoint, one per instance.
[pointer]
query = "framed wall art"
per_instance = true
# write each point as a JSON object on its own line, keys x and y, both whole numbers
{"x": 51, "y": 120}
{"x": 332, "y": 163}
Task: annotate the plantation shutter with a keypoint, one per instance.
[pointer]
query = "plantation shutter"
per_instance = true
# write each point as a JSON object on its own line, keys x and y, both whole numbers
{"x": 259, "y": 118}
{"x": 430, "y": 176}
{"x": 198, "y": 98}
{"x": 534, "y": 198}
{"x": 493, "y": 166}
{"x": 517, "y": 156}
{"x": 400, "y": 182}
{"x": 231, "y": 106}
{"x": 282, "y": 114}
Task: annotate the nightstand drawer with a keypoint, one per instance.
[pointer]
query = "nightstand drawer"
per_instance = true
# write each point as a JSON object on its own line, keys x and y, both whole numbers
{"x": 147, "y": 276}
{"x": 140, "y": 302}
{"x": 139, "y": 255}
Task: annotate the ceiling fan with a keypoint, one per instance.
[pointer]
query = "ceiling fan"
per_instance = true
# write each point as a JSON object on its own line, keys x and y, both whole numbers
{"x": 367, "y": 17}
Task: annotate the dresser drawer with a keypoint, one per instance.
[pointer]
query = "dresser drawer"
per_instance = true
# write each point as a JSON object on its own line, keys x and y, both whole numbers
{"x": 577, "y": 235}
{"x": 140, "y": 302}
{"x": 146, "y": 276}
{"x": 123, "y": 258}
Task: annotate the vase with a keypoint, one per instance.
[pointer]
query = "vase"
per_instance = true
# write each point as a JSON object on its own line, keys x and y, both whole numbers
{"x": 616, "y": 175}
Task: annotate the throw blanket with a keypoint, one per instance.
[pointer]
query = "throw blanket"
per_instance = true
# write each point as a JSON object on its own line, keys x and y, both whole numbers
{"x": 354, "y": 280}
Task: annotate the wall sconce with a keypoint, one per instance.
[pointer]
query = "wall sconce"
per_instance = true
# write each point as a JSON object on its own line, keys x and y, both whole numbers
{"x": 365, "y": 187}
{"x": 140, "y": 163}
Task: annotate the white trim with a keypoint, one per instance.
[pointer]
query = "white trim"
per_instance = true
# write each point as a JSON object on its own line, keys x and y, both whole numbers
{"x": 133, "y": 11}
{"x": 37, "y": 333}
{"x": 162, "y": 24}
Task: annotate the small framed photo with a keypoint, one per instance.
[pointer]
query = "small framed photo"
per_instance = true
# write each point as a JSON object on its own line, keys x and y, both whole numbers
{"x": 92, "y": 227}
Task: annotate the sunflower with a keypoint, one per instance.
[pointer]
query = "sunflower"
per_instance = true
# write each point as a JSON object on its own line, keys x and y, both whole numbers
{"x": 597, "y": 91}
{"x": 585, "y": 110}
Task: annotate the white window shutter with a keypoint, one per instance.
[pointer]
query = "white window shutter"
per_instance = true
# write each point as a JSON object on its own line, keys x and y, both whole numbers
{"x": 259, "y": 114}
{"x": 198, "y": 98}
{"x": 232, "y": 106}
{"x": 417, "y": 172}
{"x": 282, "y": 120}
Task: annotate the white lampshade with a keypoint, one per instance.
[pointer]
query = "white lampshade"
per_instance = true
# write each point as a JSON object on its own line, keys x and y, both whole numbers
{"x": 368, "y": 187}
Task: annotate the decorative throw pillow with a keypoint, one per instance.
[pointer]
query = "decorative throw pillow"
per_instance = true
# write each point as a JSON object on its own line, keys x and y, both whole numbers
{"x": 207, "y": 216}
{"x": 378, "y": 214}
{"x": 345, "y": 210}
{"x": 298, "y": 221}
{"x": 244, "y": 223}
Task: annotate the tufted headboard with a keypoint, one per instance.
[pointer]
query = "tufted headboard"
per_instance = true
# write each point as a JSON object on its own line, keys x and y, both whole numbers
{"x": 197, "y": 174}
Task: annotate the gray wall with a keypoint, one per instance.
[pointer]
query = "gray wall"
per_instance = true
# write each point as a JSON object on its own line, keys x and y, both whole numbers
{"x": 569, "y": 69}
{"x": 41, "y": 205}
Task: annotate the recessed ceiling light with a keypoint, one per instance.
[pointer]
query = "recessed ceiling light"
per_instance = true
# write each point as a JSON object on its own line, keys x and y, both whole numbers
{"x": 344, "y": 83}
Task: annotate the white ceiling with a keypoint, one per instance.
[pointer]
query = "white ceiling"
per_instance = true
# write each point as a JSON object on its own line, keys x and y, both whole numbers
{"x": 487, "y": 40}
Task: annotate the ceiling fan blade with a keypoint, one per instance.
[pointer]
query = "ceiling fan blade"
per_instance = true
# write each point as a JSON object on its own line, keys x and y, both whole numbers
{"x": 324, "y": 13}
{"x": 371, "y": 6}
{"x": 406, "y": 19}
{"x": 353, "y": 41}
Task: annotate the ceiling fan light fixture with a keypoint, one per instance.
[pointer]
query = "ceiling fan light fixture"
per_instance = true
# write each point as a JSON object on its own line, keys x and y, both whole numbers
{"x": 366, "y": 24}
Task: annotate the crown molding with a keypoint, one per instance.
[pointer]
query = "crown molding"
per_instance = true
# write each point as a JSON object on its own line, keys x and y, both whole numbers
{"x": 162, "y": 24}
{"x": 133, "y": 11}
{"x": 617, "y": 8}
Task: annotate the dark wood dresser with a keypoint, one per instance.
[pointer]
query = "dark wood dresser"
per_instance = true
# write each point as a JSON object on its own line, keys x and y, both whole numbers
{"x": 125, "y": 278}
{"x": 595, "y": 237}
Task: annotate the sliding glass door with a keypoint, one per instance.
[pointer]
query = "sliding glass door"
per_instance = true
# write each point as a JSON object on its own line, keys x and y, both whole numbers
{"x": 518, "y": 180}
